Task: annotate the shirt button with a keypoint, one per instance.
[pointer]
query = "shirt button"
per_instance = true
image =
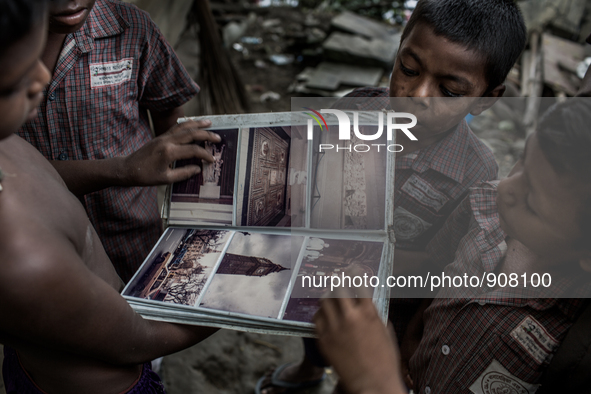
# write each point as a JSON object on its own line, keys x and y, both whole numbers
{"x": 445, "y": 350}
{"x": 427, "y": 390}
{"x": 482, "y": 303}
{"x": 52, "y": 97}
{"x": 63, "y": 156}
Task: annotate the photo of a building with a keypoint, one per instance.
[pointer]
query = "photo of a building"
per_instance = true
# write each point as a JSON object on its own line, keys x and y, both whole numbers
{"x": 348, "y": 187}
{"x": 254, "y": 274}
{"x": 266, "y": 197}
{"x": 327, "y": 257}
{"x": 179, "y": 272}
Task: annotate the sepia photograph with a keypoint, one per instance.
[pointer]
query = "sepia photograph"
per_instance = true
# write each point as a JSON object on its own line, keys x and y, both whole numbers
{"x": 254, "y": 274}
{"x": 180, "y": 266}
{"x": 208, "y": 197}
{"x": 328, "y": 257}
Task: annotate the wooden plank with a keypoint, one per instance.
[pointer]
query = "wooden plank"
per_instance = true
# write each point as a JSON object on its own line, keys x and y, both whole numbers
{"x": 559, "y": 56}
{"x": 366, "y": 27}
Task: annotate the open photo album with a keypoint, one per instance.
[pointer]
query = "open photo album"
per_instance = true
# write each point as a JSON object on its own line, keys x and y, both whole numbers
{"x": 254, "y": 239}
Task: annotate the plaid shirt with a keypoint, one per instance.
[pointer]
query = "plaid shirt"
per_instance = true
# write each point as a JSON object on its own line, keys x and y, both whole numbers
{"x": 432, "y": 181}
{"x": 81, "y": 120}
{"x": 497, "y": 337}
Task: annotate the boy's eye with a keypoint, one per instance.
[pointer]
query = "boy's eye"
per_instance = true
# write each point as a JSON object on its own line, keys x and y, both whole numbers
{"x": 8, "y": 91}
{"x": 449, "y": 93}
{"x": 407, "y": 71}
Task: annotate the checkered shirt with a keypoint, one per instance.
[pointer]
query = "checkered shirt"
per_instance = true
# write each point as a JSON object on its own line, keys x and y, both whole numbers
{"x": 78, "y": 122}
{"x": 463, "y": 337}
{"x": 432, "y": 181}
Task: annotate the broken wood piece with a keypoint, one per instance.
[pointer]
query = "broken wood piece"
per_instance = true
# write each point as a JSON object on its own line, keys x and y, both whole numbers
{"x": 558, "y": 55}
{"x": 348, "y": 48}
{"x": 366, "y": 27}
{"x": 536, "y": 85}
{"x": 329, "y": 76}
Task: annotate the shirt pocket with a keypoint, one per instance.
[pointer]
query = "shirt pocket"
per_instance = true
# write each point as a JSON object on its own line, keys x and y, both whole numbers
{"x": 113, "y": 118}
{"x": 515, "y": 365}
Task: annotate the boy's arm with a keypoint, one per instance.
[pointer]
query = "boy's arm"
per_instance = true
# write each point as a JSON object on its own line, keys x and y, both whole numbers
{"x": 56, "y": 302}
{"x": 359, "y": 346}
{"x": 151, "y": 165}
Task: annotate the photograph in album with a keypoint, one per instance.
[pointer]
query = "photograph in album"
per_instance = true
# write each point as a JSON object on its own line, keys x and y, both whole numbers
{"x": 254, "y": 274}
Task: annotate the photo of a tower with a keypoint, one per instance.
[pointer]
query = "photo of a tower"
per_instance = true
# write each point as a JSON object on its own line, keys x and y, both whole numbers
{"x": 254, "y": 274}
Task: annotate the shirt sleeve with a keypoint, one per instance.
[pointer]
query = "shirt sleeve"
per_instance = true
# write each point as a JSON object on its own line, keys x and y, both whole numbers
{"x": 442, "y": 248}
{"x": 164, "y": 83}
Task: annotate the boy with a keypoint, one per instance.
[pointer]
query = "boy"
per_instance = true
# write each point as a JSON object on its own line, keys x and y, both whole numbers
{"x": 64, "y": 325}
{"x": 448, "y": 49}
{"x": 535, "y": 221}
{"x": 110, "y": 64}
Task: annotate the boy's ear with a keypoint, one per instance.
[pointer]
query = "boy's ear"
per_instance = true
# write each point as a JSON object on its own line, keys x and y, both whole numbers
{"x": 487, "y": 101}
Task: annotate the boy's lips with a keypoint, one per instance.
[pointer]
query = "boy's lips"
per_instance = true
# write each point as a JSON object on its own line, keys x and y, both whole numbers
{"x": 71, "y": 18}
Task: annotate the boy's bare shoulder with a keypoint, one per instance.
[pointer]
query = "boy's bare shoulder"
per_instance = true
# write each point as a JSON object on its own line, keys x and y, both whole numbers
{"x": 40, "y": 221}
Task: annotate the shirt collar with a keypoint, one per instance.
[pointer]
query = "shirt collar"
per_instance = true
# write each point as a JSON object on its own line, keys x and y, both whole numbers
{"x": 446, "y": 156}
{"x": 102, "y": 22}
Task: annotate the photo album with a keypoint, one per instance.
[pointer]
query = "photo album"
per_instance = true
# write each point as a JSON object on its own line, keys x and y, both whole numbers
{"x": 255, "y": 238}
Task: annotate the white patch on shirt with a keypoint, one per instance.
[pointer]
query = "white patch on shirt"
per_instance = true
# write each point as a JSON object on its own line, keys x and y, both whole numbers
{"x": 423, "y": 192}
{"x": 110, "y": 73}
{"x": 534, "y": 338}
{"x": 496, "y": 379}
{"x": 407, "y": 225}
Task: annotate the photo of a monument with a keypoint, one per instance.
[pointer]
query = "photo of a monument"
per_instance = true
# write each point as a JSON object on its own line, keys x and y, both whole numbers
{"x": 180, "y": 266}
{"x": 254, "y": 274}
{"x": 273, "y": 175}
{"x": 328, "y": 257}
{"x": 208, "y": 197}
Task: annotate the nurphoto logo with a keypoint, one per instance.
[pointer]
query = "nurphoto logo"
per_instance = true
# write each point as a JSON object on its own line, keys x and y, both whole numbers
{"x": 345, "y": 129}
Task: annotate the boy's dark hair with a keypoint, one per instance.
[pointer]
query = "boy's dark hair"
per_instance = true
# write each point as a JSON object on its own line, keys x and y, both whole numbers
{"x": 564, "y": 135}
{"x": 493, "y": 28}
{"x": 17, "y": 18}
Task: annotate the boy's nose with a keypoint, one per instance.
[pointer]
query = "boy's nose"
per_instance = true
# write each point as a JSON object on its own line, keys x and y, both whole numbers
{"x": 40, "y": 80}
{"x": 508, "y": 190}
{"x": 421, "y": 93}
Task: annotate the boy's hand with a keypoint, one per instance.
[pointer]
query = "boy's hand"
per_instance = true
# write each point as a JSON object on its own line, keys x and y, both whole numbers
{"x": 362, "y": 350}
{"x": 152, "y": 164}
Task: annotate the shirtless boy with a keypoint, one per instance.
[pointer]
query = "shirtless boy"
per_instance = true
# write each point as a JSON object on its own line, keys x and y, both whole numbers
{"x": 64, "y": 325}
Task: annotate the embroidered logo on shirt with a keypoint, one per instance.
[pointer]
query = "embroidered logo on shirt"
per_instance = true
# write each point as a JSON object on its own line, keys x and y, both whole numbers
{"x": 496, "y": 379}
{"x": 424, "y": 193}
{"x": 110, "y": 73}
{"x": 407, "y": 225}
{"x": 534, "y": 338}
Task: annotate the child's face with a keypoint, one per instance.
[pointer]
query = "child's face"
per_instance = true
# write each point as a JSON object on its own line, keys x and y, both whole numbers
{"x": 433, "y": 70}
{"x": 68, "y": 16}
{"x": 540, "y": 208}
{"x": 22, "y": 80}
